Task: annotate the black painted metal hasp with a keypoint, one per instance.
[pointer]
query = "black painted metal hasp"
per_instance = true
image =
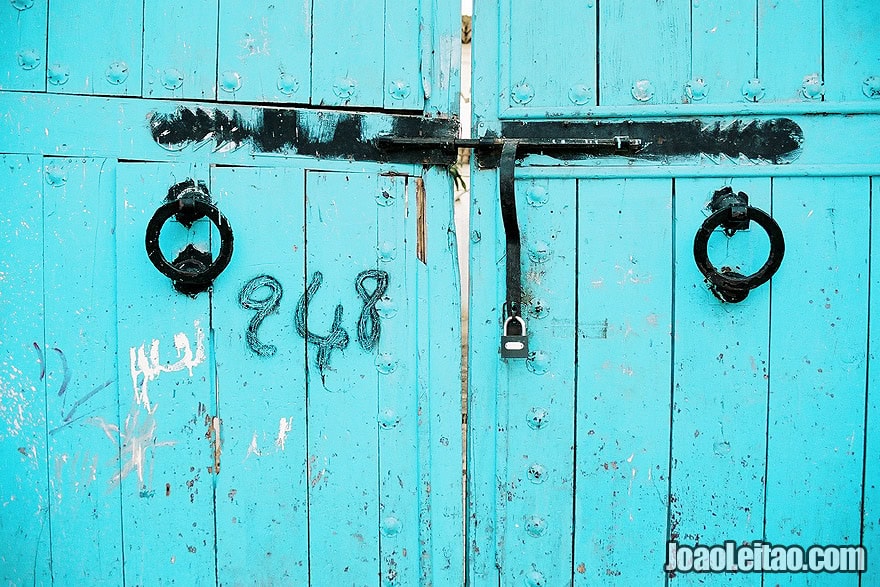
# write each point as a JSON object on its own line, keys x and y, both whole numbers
{"x": 731, "y": 211}
{"x": 193, "y": 270}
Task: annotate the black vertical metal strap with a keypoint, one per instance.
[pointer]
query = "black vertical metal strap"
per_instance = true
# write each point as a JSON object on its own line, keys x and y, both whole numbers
{"x": 507, "y": 190}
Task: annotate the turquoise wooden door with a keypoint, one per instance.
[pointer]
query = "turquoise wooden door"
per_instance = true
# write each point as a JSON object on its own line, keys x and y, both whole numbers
{"x": 295, "y": 422}
{"x": 649, "y": 410}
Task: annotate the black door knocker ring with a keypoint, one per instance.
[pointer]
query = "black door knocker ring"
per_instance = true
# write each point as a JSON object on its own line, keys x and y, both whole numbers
{"x": 732, "y": 212}
{"x": 193, "y": 270}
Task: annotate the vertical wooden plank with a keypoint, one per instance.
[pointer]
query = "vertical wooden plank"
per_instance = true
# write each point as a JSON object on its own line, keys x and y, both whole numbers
{"x": 623, "y": 379}
{"x": 871, "y": 490}
{"x": 109, "y": 63}
{"x": 262, "y": 514}
{"x": 546, "y": 38}
{"x": 23, "y": 45}
{"x": 403, "y": 80}
{"x": 818, "y": 338}
{"x": 342, "y": 379}
{"x": 485, "y": 56}
{"x": 723, "y": 50}
{"x": 395, "y": 324}
{"x": 540, "y": 429}
{"x": 348, "y": 54}
{"x": 485, "y": 390}
{"x": 24, "y": 491}
{"x": 267, "y": 45}
{"x": 180, "y": 50}
{"x": 167, "y": 433}
{"x": 789, "y": 48}
{"x": 83, "y": 397}
{"x": 852, "y": 50}
{"x": 644, "y": 52}
{"x": 440, "y": 48}
{"x": 439, "y": 301}
{"x": 719, "y": 419}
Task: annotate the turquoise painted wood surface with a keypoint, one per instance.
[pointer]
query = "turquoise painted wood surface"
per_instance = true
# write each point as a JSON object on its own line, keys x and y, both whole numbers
{"x": 690, "y": 419}
{"x": 226, "y": 438}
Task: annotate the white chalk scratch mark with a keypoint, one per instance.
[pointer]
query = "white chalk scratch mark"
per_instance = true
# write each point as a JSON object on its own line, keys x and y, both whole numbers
{"x": 253, "y": 449}
{"x": 285, "y": 425}
{"x": 145, "y": 368}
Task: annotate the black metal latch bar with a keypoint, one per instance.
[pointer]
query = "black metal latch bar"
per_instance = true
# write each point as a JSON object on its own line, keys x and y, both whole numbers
{"x": 503, "y": 153}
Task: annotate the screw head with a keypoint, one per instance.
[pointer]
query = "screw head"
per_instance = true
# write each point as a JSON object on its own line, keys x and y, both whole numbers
{"x": 391, "y": 526}
{"x": 22, "y": 4}
{"x": 57, "y": 74}
{"x": 28, "y": 59}
{"x": 642, "y": 90}
{"x": 753, "y": 90}
{"x": 386, "y": 308}
{"x": 539, "y": 252}
{"x": 230, "y": 81}
{"x": 287, "y": 84}
{"x": 522, "y": 93}
{"x": 386, "y": 251}
{"x": 399, "y": 90}
{"x": 172, "y": 79}
{"x": 813, "y": 87}
{"x": 117, "y": 72}
{"x": 345, "y": 88}
{"x": 56, "y": 175}
{"x": 538, "y": 362}
{"x": 385, "y": 363}
{"x": 871, "y": 86}
{"x": 697, "y": 89}
{"x": 580, "y": 94}
{"x": 388, "y": 419}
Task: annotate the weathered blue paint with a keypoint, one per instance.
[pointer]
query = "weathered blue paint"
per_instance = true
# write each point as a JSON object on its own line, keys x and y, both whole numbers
{"x": 191, "y": 442}
{"x": 687, "y": 418}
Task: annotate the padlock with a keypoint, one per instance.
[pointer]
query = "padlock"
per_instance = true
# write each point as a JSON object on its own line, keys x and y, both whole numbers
{"x": 514, "y": 341}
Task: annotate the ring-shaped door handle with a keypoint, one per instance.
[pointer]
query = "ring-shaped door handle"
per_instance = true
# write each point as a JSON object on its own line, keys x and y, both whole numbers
{"x": 193, "y": 271}
{"x": 730, "y": 286}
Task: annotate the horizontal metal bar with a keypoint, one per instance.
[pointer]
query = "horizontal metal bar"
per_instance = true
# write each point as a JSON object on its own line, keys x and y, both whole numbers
{"x": 669, "y": 171}
{"x": 691, "y": 110}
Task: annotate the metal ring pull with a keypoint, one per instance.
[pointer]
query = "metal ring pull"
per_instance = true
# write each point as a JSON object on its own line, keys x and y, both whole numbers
{"x": 732, "y": 212}
{"x": 192, "y": 271}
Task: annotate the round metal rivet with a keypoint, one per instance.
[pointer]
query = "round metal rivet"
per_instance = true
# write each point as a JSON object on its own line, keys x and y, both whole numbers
{"x": 643, "y": 90}
{"x": 287, "y": 84}
{"x": 535, "y": 579}
{"x": 871, "y": 86}
{"x": 385, "y": 363}
{"x": 522, "y": 93}
{"x": 28, "y": 59}
{"x": 753, "y": 90}
{"x": 386, "y": 251}
{"x": 230, "y": 81}
{"x": 580, "y": 94}
{"x": 537, "y": 473}
{"x": 56, "y": 175}
{"x": 538, "y": 362}
{"x": 388, "y": 419}
{"x": 384, "y": 198}
{"x": 172, "y": 79}
{"x": 696, "y": 89}
{"x": 537, "y": 418}
{"x": 345, "y": 88}
{"x": 538, "y": 308}
{"x": 117, "y": 72}
{"x": 386, "y": 308}
{"x": 539, "y": 252}
{"x": 536, "y": 526}
{"x": 536, "y": 196}
{"x": 22, "y": 4}
{"x": 391, "y": 526}
{"x": 813, "y": 87}
{"x": 58, "y": 74}
{"x": 399, "y": 90}
{"x": 476, "y": 236}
